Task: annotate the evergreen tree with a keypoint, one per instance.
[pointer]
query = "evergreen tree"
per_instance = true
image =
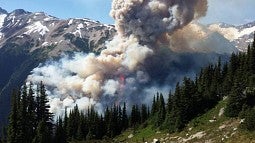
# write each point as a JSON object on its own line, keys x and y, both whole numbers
{"x": 42, "y": 106}
{"x": 42, "y": 109}
{"x": 235, "y": 103}
{"x": 154, "y": 106}
{"x": 22, "y": 115}
{"x": 60, "y": 135}
{"x": 73, "y": 122}
{"x": 144, "y": 114}
{"x": 42, "y": 133}
{"x": 4, "y": 135}
{"x": 162, "y": 111}
{"x": 65, "y": 120}
{"x": 249, "y": 122}
{"x": 169, "y": 102}
{"x": 133, "y": 116}
{"x": 31, "y": 114}
{"x": 124, "y": 117}
{"x": 13, "y": 118}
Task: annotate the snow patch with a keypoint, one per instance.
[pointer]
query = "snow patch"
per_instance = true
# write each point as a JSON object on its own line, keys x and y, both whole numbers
{"x": 91, "y": 21}
{"x": 17, "y": 22}
{"x": 1, "y": 35}
{"x": 38, "y": 13}
{"x": 79, "y": 27}
{"x": 52, "y": 24}
{"x": 70, "y": 22}
{"x": 37, "y": 27}
{"x": 13, "y": 19}
{"x": 2, "y": 18}
{"x": 87, "y": 23}
{"x": 29, "y": 20}
{"x": 20, "y": 36}
{"x": 47, "y": 19}
{"x": 44, "y": 44}
{"x": 247, "y": 31}
{"x": 109, "y": 26}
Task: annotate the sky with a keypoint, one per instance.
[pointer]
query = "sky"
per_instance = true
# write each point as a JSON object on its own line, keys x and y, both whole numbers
{"x": 229, "y": 11}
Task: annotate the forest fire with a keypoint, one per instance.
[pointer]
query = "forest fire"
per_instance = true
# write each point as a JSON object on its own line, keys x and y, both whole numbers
{"x": 139, "y": 24}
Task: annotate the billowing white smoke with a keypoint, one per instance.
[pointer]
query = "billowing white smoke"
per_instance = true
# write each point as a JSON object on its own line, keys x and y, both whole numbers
{"x": 119, "y": 71}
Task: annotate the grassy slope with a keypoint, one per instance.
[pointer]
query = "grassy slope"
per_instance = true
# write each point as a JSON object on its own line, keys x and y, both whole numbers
{"x": 222, "y": 129}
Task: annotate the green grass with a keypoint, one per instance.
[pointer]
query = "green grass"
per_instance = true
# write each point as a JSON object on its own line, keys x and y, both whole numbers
{"x": 228, "y": 133}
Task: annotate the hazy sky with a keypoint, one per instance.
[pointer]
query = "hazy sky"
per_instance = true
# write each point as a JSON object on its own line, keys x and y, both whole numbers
{"x": 229, "y": 11}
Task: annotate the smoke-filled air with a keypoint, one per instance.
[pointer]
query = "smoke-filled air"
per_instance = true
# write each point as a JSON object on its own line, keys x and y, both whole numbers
{"x": 134, "y": 65}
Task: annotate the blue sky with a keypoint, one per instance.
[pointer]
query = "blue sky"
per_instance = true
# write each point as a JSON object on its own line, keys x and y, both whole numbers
{"x": 229, "y": 11}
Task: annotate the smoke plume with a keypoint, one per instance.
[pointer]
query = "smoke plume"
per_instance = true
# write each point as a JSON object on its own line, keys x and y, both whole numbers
{"x": 133, "y": 64}
{"x": 148, "y": 20}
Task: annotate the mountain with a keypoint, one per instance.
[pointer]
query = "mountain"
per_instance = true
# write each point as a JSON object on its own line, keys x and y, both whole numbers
{"x": 27, "y": 39}
{"x": 240, "y": 35}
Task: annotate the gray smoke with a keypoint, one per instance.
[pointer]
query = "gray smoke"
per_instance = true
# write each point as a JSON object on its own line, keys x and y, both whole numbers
{"x": 149, "y": 19}
{"x": 130, "y": 67}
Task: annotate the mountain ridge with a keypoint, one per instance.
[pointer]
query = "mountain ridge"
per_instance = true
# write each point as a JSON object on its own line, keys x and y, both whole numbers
{"x": 240, "y": 35}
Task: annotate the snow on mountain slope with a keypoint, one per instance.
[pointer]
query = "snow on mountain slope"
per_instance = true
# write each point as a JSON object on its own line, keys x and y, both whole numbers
{"x": 42, "y": 30}
{"x": 37, "y": 27}
{"x": 2, "y": 17}
{"x": 232, "y": 33}
{"x": 78, "y": 31}
{"x": 241, "y": 35}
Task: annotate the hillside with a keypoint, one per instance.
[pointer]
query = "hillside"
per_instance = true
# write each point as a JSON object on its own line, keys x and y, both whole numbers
{"x": 212, "y": 127}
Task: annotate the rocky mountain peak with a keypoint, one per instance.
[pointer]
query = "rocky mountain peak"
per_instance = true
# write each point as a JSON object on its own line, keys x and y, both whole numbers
{"x": 19, "y": 12}
{"x": 3, "y": 11}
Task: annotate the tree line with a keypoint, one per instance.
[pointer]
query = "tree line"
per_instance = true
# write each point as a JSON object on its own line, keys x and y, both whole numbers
{"x": 90, "y": 125}
{"x": 31, "y": 122}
